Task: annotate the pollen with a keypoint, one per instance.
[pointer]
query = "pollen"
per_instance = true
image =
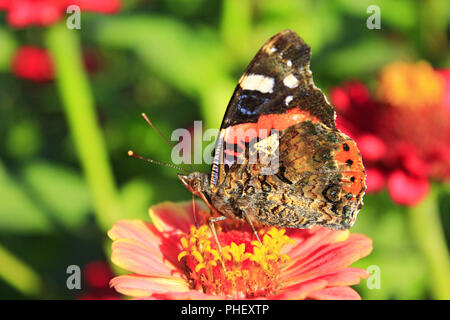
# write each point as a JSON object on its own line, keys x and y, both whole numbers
{"x": 410, "y": 85}
{"x": 245, "y": 269}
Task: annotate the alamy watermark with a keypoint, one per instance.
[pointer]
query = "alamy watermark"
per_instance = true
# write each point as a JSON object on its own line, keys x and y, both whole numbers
{"x": 235, "y": 145}
{"x": 374, "y": 280}
{"x": 74, "y": 279}
{"x": 374, "y": 20}
{"x": 74, "y": 20}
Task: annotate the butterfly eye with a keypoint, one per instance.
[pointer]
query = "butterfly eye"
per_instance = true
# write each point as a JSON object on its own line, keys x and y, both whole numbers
{"x": 195, "y": 184}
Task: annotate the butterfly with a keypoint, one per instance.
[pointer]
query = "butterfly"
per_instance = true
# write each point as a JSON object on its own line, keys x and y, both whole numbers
{"x": 279, "y": 158}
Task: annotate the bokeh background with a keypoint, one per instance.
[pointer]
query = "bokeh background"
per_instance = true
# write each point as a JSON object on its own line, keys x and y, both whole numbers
{"x": 70, "y": 104}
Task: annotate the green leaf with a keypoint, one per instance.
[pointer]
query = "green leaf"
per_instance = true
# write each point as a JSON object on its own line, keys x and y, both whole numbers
{"x": 61, "y": 190}
{"x": 361, "y": 57}
{"x": 18, "y": 212}
{"x": 137, "y": 196}
{"x": 7, "y": 48}
{"x": 190, "y": 60}
{"x": 305, "y": 17}
{"x": 23, "y": 140}
{"x": 183, "y": 56}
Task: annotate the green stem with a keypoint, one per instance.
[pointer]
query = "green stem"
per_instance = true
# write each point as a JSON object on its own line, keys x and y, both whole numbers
{"x": 78, "y": 104}
{"x": 433, "y": 24}
{"x": 18, "y": 274}
{"x": 427, "y": 229}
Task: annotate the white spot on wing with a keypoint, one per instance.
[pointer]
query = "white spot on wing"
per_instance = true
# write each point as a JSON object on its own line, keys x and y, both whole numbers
{"x": 290, "y": 81}
{"x": 289, "y": 63}
{"x": 257, "y": 82}
{"x": 288, "y": 100}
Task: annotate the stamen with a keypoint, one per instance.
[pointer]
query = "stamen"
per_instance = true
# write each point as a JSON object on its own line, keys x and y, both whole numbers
{"x": 251, "y": 269}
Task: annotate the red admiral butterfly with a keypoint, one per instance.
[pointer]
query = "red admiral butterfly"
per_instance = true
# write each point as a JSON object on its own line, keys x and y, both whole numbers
{"x": 276, "y": 109}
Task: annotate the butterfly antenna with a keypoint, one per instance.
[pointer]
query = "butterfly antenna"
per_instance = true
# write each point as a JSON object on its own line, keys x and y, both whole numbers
{"x": 134, "y": 155}
{"x": 194, "y": 211}
{"x": 161, "y": 135}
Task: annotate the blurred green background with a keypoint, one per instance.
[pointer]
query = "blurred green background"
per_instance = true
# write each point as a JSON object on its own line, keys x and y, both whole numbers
{"x": 65, "y": 177}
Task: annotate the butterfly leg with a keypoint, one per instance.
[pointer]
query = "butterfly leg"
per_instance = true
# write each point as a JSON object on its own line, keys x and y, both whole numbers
{"x": 212, "y": 220}
{"x": 194, "y": 211}
{"x": 247, "y": 217}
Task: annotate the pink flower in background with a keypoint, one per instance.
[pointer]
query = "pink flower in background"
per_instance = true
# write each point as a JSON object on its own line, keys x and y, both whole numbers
{"x": 172, "y": 259}
{"x": 22, "y": 13}
{"x": 403, "y": 131}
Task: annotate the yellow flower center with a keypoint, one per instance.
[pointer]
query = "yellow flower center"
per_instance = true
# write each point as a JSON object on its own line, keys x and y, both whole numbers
{"x": 408, "y": 85}
{"x": 249, "y": 269}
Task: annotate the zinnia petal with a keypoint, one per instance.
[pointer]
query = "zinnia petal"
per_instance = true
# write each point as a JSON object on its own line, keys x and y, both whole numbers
{"x": 335, "y": 293}
{"x": 170, "y": 217}
{"x": 144, "y": 286}
{"x": 147, "y": 235}
{"x": 136, "y": 257}
{"x": 190, "y": 295}
{"x": 330, "y": 258}
{"x": 345, "y": 277}
{"x": 301, "y": 290}
{"x": 313, "y": 239}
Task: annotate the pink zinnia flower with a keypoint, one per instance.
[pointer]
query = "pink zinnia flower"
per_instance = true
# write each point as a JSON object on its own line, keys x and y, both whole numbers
{"x": 172, "y": 259}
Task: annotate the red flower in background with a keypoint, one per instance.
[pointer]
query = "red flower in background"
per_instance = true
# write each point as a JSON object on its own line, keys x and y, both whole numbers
{"x": 33, "y": 64}
{"x": 97, "y": 275}
{"x": 23, "y": 13}
{"x": 403, "y": 132}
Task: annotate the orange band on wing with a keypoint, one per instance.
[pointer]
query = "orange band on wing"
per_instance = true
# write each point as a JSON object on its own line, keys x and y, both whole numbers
{"x": 351, "y": 158}
{"x": 247, "y": 131}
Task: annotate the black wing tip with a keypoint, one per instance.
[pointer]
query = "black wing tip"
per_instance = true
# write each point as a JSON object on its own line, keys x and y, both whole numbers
{"x": 286, "y": 39}
{"x": 289, "y": 34}
{"x": 286, "y": 33}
